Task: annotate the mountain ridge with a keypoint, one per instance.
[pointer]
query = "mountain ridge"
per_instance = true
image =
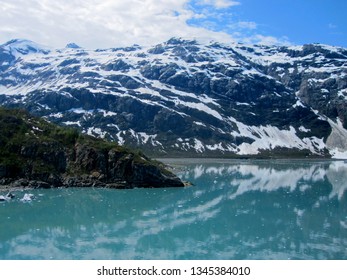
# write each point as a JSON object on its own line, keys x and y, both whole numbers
{"x": 183, "y": 97}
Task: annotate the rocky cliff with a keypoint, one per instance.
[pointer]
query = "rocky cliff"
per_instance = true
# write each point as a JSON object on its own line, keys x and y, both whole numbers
{"x": 35, "y": 153}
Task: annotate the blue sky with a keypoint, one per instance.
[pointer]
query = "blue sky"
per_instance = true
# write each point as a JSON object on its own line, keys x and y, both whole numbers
{"x": 295, "y": 21}
{"x": 110, "y": 23}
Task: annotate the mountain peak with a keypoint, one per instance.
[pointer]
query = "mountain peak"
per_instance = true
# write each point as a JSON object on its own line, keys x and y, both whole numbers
{"x": 72, "y": 46}
{"x": 20, "y": 47}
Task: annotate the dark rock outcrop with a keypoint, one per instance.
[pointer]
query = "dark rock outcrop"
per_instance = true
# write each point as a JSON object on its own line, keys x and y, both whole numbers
{"x": 37, "y": 154}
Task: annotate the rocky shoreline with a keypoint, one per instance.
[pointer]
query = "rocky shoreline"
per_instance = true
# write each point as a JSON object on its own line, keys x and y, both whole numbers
{"x": 125, "y": 172}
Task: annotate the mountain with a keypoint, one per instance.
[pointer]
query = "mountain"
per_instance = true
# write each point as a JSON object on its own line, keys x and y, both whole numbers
{"x": 189, "y": 98}
{"x": 35, "y": 153}
{"x": 19, "y": 47}
{"x": 72, "y": 46}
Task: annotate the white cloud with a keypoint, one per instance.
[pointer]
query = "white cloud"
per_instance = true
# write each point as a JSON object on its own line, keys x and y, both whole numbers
{"x": 96, "y": 23}
{"x": 112, "y": 23}
{"x": 244, "y": 25}
{"x": 262, "y": 40}
{"x": 221, "y": 4}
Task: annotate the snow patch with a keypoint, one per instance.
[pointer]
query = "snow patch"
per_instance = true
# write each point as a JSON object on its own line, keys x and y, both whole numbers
{"x": 95, "y": 131}
{"x": 69, "y": 123}
{"x": 201, "y": 107}
{"x": 200, "y": 124}
{"x": 113, "y": 125}
{"x": 336, "y": 142}
{"x": 303, "y": 129}
{"x": 121, "y": 140}
{"x": 242, "y": 104}
{"x": 107, "y": 113}
{"x": 342, "y": 93}
{"x": 298, "y": 104}
{"x": 82, "y": 111}
{"x": 269, "y": 137}
{"x": 220, "y": 147}
{"x": 56, "y": 116}
{"x": 199, "y": 146}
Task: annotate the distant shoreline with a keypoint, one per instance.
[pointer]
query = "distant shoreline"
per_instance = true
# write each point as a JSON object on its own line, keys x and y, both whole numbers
{"x": 179, "y": 164}
{"x": 167, "y": 160}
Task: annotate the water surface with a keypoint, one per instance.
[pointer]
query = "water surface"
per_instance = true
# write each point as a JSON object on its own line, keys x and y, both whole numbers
{"x": 235, "y": 210}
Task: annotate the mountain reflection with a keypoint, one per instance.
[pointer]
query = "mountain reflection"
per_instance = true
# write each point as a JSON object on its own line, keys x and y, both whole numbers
{"x": 235, "y": 210}
{"x": 271, "y": 176}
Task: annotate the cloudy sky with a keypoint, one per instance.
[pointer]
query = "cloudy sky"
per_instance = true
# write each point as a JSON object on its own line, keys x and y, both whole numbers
{"x": 111, "y": 23}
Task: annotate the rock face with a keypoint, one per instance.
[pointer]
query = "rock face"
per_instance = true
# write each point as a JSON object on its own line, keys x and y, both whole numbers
{"x": 187, "y": 98}
{"x": 37, "y": 154}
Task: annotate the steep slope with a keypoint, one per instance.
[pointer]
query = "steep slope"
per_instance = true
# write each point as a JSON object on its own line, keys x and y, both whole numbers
{"x": 315, "y": 73}
{"x": 183, "y": 97}
{"x": 36, "y": 153}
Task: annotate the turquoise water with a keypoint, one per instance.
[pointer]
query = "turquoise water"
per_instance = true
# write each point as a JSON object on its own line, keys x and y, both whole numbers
{"x": 235, "y": 210}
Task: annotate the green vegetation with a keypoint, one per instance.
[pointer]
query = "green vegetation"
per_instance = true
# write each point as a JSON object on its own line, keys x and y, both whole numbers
{"x": 18, "y": 128}
{"x": 30, "y": 145}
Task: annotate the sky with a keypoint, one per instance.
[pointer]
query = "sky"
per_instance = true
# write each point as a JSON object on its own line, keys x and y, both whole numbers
{"x": 112, "y": 23}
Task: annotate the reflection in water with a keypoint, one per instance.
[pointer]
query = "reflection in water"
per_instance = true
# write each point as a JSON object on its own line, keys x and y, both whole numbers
{"x": 264, "y": 176}
{"x": 247, "y": 210}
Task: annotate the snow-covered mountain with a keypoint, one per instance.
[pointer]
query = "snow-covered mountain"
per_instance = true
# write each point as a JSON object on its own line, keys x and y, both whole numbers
{"x": 185, "y": 97}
